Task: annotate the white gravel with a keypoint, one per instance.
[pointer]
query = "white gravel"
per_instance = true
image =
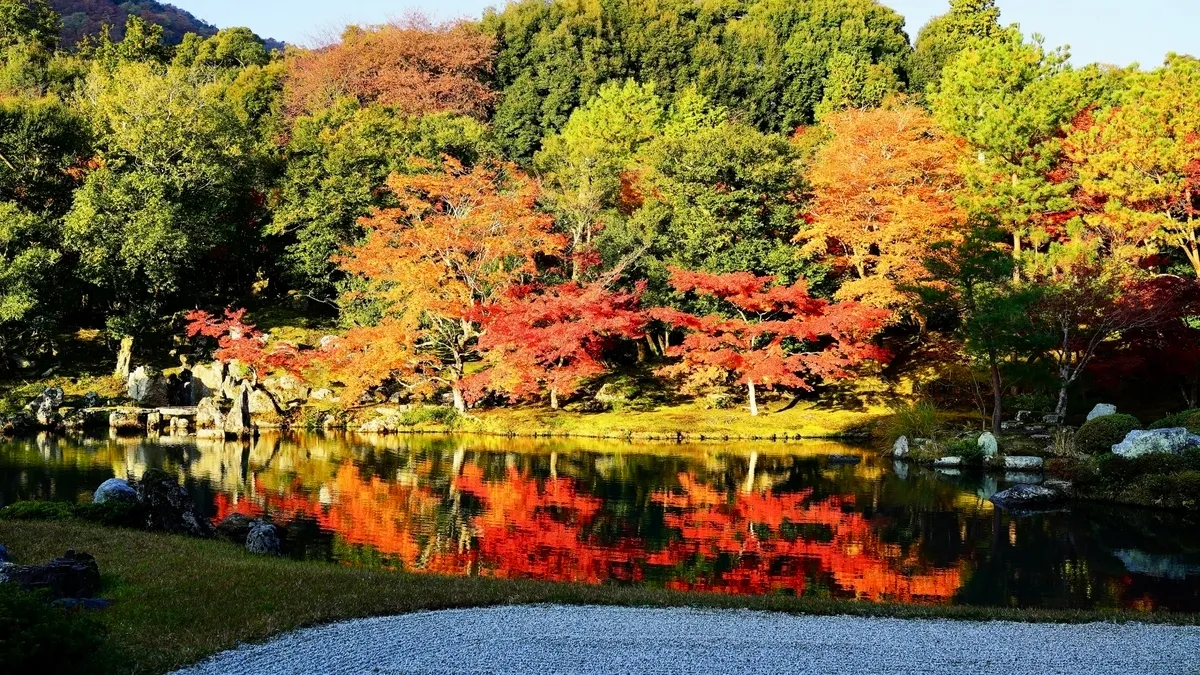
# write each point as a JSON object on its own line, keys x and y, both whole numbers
{"x": 556, "y": 639}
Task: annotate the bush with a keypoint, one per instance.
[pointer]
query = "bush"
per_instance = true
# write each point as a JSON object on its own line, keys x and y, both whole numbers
{"x": 914, "y": 420}
{"x": 36, "y": 637}
{"x": 1099, "y": 435}
{"x": 431, "y": 414}
{"x": 1188, "y": 419}
{"x": 111, "y": 514}
{"x": 36, "y": 511}
{"x": 967, "y": 448}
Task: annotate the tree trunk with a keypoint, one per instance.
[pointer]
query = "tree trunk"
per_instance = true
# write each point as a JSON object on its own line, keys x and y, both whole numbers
{"x": 554, "y": 399}
{"x": 125, "y": 359}
{"x": 460, "y": 403}
{"x": 642, "y": 351}
{"x": 997, "y": 393}
{"x": 753, "y": 401}
{"x": 1061, "y": 408}
{"x": 1016, "y": 257}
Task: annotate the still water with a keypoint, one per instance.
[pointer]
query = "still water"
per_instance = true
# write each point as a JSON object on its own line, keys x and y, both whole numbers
{"x": 808, "y": 518}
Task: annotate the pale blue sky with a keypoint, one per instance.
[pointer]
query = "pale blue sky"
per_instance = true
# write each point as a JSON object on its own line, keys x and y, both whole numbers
{"x": 1108, "y": 31}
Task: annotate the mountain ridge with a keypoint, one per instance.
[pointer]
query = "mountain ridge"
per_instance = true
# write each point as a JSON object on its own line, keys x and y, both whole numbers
{"x": 81, "y": 18}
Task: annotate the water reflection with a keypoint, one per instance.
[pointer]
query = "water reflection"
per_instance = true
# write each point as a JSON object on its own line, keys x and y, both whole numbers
{"x": 818, "y": 519}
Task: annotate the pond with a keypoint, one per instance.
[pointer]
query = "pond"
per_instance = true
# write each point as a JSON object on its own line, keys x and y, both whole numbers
{"x": 806, "y": 518}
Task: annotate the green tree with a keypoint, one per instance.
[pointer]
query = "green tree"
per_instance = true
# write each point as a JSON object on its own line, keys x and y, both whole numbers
{"x": 946, "y": 35}
{"x": 29, "y": 21}
{"x": 229, "y": 48}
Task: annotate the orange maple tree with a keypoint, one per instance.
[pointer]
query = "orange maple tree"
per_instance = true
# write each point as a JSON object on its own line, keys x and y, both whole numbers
{"x": 771, "y": 335}
{"x": 243, "y": 342}
{"x": 884, "y": 190}
{"x": 552, "y": 339}
{"x": 413, "y": 64}
{"x": 458, "y": 241}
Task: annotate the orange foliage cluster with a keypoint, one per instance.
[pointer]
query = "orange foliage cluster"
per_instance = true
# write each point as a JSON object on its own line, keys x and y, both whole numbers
{"x": 415, "y": 65}
{"x": 530, "y": 528}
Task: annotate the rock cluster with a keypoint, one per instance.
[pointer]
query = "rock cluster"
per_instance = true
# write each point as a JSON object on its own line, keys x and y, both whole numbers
{"x": 75, "y": 575}
{"x": 168, "y": 507}
{"x": 1170, "y": 441}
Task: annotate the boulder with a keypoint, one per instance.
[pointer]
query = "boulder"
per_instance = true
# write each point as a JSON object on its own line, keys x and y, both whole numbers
{"x": 16, "y": 424}
{"x": 237, "y": 422}
{"x": 1170, "y": 441}
{"x": 263, "y": 539}
{"x": 207, "y": 380}
{"x": 1102, "y": 410}
{"x": 988, "y": 445}
{"x": 91, "y": 400}
{"x": 1051, "y": 419}
{"x": 1064, "y": 488}
{"x": 209, "y": 414}
{"x": 54, "y": 396}
{"x": 1026, "y": 497}
{"x": 230, "y": 387}
{"x": 75, "y": 575}
{"x": 114, "y": 490}
{"x": 169, "y": 507}
{"x": 1023, "y": 463}
{"x": 235, "y": 528}
{"x": 47, "y": 415}
{"x": 125, "y": 420}
{"x": 948, "y": 462}
{"x": 286, "y": 389}
{"x": 148, "y": 387}
{"x": 321, "y": 395}
{"x": 261, "y": 402}
{"x": 1024, "y": 416}
{"x": 900, "y": 448}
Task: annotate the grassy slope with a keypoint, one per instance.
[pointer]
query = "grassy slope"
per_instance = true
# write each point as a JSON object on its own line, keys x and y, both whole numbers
{"x": 179, "y": 600}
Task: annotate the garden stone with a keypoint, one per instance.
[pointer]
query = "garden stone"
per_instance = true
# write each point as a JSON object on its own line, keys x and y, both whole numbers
{"x": 75, "y": 575}
{"x": 1064, "y": 488}
{"x": 989, "y": 446}
{"x": 124, "y": 421}
{"x": 47, "y": 414}
{"x": 114, "y": 490}
{"x": 1023, "y": 463}
{"x": 263, "y": 539}
{"x": 1024, "y": 416}
{"x": 54, "y": 396}
{"x": 1102, "y": 410}
{"x": 320, "y": 395}
{"x": 946, "y": 462}
{"x": 238, "y": 423}
{"x": 1025, "y": 496}
{"x": 209, "y": 415}
{"x": 148, "y": 387}
{"x": 1170, "y": 441}
{"x": 900, "y": 448}
{"x": 168, "y": 506}
{"x": 1051, "y": 419}
{"x": 235, "y": 528}
{"x": 91, "y": 400}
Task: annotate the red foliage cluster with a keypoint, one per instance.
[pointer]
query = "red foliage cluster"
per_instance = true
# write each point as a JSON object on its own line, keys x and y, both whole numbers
{"x": 417, "y": 66}
{"x": 242, "y": 342}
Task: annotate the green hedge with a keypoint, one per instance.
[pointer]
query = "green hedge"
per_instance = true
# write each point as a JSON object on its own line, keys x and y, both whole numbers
{"x": 1099, "y": 435}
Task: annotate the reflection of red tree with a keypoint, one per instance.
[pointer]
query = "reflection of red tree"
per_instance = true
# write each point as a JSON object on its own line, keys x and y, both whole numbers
{"x": 546, "y": 529}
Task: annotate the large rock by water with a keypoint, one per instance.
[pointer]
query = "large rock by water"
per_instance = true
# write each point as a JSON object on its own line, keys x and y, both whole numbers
{"x": 1023, "y": 463}
{"x": 988, "y": 445}
{"x": 1102, "y": 410}
{"x": 148, "y": 387}
{"x": 114, "y": 490}
{"x": 169, "y": 507}
{"x": 900, "y": 448}
{"x": 1171, "y": 441}
{"x": 263, "y": 539}
{"x": 1026, "y": 497}
{"x": 209, "y": 414}
{"x": 75, "y": 575}
{"x": 125, "y": 421}
{"x": 235, "y": 528}
{"x": 237, "y": 422}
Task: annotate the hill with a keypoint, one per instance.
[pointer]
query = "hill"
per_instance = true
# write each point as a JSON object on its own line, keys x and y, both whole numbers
{"x": 85, "y": 17}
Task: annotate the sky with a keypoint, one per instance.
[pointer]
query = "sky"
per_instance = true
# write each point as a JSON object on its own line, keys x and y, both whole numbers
{"x": 1119, "y": 32}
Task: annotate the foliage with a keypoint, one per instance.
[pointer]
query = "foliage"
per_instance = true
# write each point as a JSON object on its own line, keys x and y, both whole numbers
{"x": 940, "y": 40}
{"x": 242, "y": 342}
{"x": 966, "y": 448}
{"x": 36, "y": 510}
{"x": 418, "y": 67}
{"x": 1188, "y": 419}
{"x": 36, "y": 637}
{"x": 781, "y": 335}
{"x": 912, "y": 420}
{"x": 1097, "y": 436}
{"x": 28, "y": 21}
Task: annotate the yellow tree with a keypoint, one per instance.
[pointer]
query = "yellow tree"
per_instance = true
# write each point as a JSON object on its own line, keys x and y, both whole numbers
{"x": 884, "y": 191}
{"x": 1139, "y": 163}
{"x": 459, "y": 239}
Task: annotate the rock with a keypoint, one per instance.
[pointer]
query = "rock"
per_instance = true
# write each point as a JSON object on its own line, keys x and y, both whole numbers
{"x": 1026, "y": 496}
{"x": 154, "y": 421}
{"x": 1064, "y": 488}
{"x": 207, "y": 380}
{"x": 75, "y": 575}
{"x": 237, "y": 422}
{"x": 328, "y": 342}
{"x": 1023, "y": 463}
{"x": 320, "y": 395}
{"x": 54, "y": 396}
{"x": 235, "y": 528}
{"x": 948, "y": 462}
{"x": 16, "y": 424}
{"x": 987, "y": 444}
{"x": 4, "y": 555}
{"x": 125, "y": 420}
{"x": 262, "y": 403}
{"x": 47, "y": 415}
{"x": 612, "y": 393}
{"x": 209, "y": 414}
{"x": 1101, "y": 410}
{"x": 1024, "y": 416}
{"x": 114, "y": 490}
{"x": 125, "y": 358}
{"x": 900, "y": 448}
{"x": 1053, "y": 420}
{"x": 286, "y": 389}
{"x": 148, "y": 387}
{"x": 263, "y": 539}
{"x": 1171, "y": 441}
{"x": 169, "y": 507}
{"x": 91, "y": 400}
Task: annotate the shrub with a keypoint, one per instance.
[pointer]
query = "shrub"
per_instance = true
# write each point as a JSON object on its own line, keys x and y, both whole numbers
{"x": 914, "y": 420}
{"x": 1099, "y": 435}
{"x": 36, "y": 637}
{"x": 36, "y": 511}
{"x": 111, "y": 514}
{"x": 431, "y": 414}
{"x": 1188, "y": 419}
{"x": 967, "y": 448}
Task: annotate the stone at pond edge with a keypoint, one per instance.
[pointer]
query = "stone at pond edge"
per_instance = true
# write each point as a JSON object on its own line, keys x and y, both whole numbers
{"x": 948, "y": 462}
{"x": 1023, "y": 463}
{"x": 148, "y": 387}
{"x": 54, "y": 395}
{"x": 114, "y": 490}
{"x": 124, "y": 421}
{"x": 209, "y": 415}
{"x": 237, "y": 422}
{"x": 75, "y": 575}
{"x": 1026, "y": 496}
{"x": 900, "y": 448}
{"x": 169, "y": 507}
{"x": 91, "y": 400}
{"x": 1170, "y": 441}
{"x": 1102, "y": 410}
{"x": 987, "y": 443}
{"x": 263, "y": 539}
{"x": 235, "y": 528}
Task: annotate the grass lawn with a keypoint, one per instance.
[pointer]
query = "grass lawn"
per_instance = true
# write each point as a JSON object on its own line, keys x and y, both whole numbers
{"x": 178, "y": 599}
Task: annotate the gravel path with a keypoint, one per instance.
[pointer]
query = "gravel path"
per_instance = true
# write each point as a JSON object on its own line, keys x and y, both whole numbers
{"x": 555, "y": 639}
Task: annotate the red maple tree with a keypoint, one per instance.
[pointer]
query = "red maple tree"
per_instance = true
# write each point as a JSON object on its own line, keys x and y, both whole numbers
{"x": 772, "y": 335}
{"x": 552, "y": 339}
{"x": 243, "y": 342}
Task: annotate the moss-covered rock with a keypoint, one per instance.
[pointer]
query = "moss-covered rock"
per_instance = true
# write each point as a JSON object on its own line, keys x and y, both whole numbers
{"x": 1099, "y": 435}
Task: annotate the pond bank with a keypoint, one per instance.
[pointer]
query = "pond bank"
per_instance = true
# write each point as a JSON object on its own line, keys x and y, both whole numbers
{"x": 590, "y": 639}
